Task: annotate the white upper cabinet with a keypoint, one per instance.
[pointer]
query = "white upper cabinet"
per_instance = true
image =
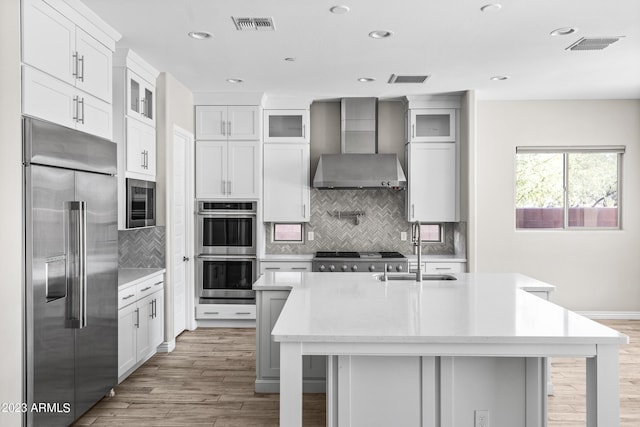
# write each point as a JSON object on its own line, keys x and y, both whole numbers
{"x": 227, "y": 123}
{"x": 286, "y": 125}
{"x": 433, "y": 189}
{"x": 286, "y": 183}
{"x": 227, "y": 169}
{"x": 432, "y": 125}
{"x": 54, "y": 44}
{"x": 141, "y": 101}
{"x": 141, "y": 150}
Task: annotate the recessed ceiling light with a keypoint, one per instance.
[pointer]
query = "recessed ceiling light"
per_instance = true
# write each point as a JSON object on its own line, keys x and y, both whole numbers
{"x": 491, "y": 7}
{"x": 499, "y": 78}
{"x": 340, "y": 9}
{"x": 366, "y": 79}
{"x": 290, "y": 59}
{"x": 380, "y": 34}
{"x": 200, "y": 35}
{"x": 235, "y": 80}
{"x": 565, "y": 31}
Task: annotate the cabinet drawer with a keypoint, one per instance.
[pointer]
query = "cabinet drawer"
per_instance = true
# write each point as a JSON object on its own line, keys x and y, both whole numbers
{"x": 304, "y": 266}
{"x": 149, "y": 286}
{"x": 126, "y": 296}
{"x": 438, "y": 267}
{"x": 226, "y": 311}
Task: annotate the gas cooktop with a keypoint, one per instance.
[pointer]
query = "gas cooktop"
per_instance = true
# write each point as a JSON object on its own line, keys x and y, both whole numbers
{"x": 358, "y": 255}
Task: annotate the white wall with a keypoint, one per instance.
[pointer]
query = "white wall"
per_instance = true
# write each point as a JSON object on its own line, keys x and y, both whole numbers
{"x": 175, "y": 107}
{"x": 11, "y": 253}
{"x": 593, "y": 270}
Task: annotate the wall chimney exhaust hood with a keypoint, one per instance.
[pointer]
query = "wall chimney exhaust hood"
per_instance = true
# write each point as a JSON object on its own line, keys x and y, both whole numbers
{"x": 359, "y": 165}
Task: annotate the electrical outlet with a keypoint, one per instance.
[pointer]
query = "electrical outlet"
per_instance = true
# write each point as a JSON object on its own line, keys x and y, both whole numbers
{"x": 403, "y": 236}
{"x": 310, "y": 236}
{"x": 481, "y": 418}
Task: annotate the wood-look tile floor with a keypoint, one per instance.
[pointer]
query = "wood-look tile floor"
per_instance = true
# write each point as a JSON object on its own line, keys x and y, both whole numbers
{"x": 208, "y": 380}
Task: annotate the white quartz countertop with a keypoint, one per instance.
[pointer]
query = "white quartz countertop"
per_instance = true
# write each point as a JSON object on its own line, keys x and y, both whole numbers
{"x": 131, "y": 276}
{"x": 476, "y": 308}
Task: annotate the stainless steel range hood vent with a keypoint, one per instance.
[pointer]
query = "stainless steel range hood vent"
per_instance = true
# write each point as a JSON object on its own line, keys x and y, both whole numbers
{"x": 359, "y": 165}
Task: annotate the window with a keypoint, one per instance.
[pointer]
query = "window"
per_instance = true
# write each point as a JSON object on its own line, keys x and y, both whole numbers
{"x": 287, "y": 233}
{"x": 576, "y": 187}
{"x": 431, "y": 233}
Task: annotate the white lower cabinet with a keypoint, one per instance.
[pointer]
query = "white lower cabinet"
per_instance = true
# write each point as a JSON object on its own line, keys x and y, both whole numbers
{"x": 140, "y": 323}
{"x": 269, "y": 304}
{"x": 50, "y": 99}
{"x": 438, "y": 267}
{"x": 225, "y": 311}
{"x": 299, "y": 266}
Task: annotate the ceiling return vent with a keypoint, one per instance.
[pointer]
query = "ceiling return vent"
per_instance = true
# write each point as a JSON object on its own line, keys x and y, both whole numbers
{"x": 596, "y": 43}
{"x": 253, "y": 24}
{"x": 407, "y": 79}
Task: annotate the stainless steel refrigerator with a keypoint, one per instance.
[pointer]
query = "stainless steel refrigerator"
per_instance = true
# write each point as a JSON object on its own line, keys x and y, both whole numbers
{"x": 71, "y": 261}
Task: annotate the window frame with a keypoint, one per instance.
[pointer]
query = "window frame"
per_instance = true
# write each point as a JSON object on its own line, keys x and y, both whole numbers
{"x": 565, "y": 151}
{"x": 273, "y": 233}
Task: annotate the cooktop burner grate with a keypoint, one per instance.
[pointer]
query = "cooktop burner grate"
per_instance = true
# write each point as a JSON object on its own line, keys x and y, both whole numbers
{"x": 358, "y": 255}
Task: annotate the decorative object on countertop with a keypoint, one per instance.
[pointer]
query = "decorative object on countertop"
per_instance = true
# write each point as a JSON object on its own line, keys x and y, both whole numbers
{"x": 355, "y": 215}
{"x": 141, "y": 248}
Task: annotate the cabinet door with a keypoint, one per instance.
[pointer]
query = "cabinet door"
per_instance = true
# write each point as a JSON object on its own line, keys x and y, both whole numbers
{"x": 48, "y": 98}
{"x": 243, "y": 123}
{"x": 269, "y": 308}
{"x": 127, "y": 319}
{"x": 48, "y": 40}
{"x": 96, "y": 116}
{"x": 243, "y": 169}
{"x": 286, "y": 126}
{"x": 211, "y": 169}
{"x": 93, "y": 66}
{"x": 156, "y": 320}
{"x": 433, "y": 186}
{"x": 286, "y": 183}
{"x": 432, "y": 125}
{"x": 141, "y": 142}
{"x": 211, "y": 122}
{"x": 143, "y": 323}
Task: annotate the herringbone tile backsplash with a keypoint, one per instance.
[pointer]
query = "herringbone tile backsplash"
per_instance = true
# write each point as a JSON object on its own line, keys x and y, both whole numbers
{"x": 378, "y": 230}
{"x": 141, "y": 248}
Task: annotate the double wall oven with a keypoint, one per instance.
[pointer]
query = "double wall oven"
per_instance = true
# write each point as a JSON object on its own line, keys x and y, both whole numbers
{"x": 226, "y": 247}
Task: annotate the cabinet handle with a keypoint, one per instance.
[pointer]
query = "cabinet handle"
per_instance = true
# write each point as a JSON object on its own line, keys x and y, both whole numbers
{"x": 159, "y": 283}
{"x": 413, "y": 131}
{"x": 76, "y": 107}
{"x": 142, "y": 110}
{"x": 146, "y": 289}
{"x": 243, "y": 312}
{"x": 304, "y": 210}
{"x": 443, "y": 268}
{"x": 229, "y": 187}
{"x": 211, "y": 312}
{"x": 81, "y": 74}
{"x": 223, "y": 125}
{"x": 137, "y": 324}
{"x": 224, "y": 186}
{"x": 299, "y": 268}
{"x": 304, "y": 130}
{"x": 81, "y": 103}
{"x": 151, "y": 311}
{"x": 75, "y": 65}
{"x": 229, "y": 127}
{"x": 413, "y": 210}
{"x": 272, "y": 268}
{"x": 146, "y": 159}
{"x": 142, "y": 159}
{"x": 128, "y": 296}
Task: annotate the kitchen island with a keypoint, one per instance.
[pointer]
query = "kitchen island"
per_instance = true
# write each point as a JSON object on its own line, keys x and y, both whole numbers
{"x": 436, "y": 353}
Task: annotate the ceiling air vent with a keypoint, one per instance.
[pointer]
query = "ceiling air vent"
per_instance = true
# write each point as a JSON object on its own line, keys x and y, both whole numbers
{"x": 596, "y": 43}
{"x": 407, "y": 79}
{"x": 253, "y": 24}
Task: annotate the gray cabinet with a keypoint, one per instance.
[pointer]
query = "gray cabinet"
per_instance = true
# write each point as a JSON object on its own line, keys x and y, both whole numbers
{"x": 269, "y": 305}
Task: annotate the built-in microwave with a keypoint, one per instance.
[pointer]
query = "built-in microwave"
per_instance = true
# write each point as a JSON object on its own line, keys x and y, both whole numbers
{"x": 141, "y": 203}
{"x": 226, "y": 228}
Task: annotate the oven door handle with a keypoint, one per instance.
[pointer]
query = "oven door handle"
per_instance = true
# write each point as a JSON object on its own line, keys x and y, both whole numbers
{"x": 227, "y": 257}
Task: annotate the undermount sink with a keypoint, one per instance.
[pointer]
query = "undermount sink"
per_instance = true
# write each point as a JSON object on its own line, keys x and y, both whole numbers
{"x": 412, "y": 277}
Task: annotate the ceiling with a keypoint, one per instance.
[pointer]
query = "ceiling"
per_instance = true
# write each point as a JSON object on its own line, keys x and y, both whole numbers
{"x": 459, "y": 46}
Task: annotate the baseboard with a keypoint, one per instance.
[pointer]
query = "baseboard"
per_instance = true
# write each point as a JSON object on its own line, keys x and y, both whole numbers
{"x": 226, "y": 323}
{"x": 167, "y": 346}
{"x": 611, "y": 315}
{"x": 308, "y": 386}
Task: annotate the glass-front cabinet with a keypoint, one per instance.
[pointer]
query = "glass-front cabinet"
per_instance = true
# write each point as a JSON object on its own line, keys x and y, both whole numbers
{"x": 432, "y": 125}
{"x": 141, "y": 98}
{"x": 286, "y": 125}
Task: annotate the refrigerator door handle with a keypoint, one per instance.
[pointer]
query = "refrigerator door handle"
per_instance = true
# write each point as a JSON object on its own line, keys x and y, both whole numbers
{"x": 77, "y": 257}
